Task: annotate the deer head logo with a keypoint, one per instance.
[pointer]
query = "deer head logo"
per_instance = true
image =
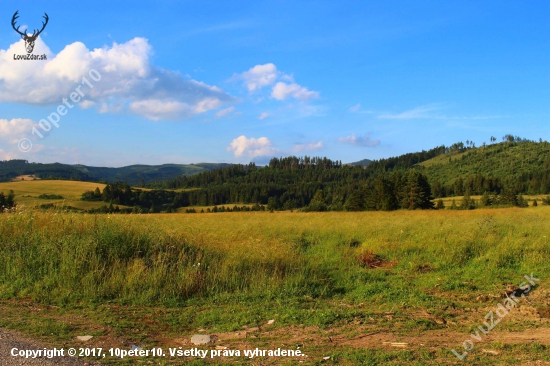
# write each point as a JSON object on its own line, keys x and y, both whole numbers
{"x": 29, "y": 40}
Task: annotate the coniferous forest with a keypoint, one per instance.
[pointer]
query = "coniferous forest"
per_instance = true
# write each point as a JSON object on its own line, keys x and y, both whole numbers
{"x": 410, "y": 181}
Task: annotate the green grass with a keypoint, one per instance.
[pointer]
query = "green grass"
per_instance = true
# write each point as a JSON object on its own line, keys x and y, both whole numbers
{"x": 297, "y": 268}
{"x": 176, "y": 259}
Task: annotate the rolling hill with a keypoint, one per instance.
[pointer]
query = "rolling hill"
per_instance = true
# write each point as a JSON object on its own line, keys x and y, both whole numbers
{"x": 133, "y": 174}
{"x": 524, "y": 165}
{"x": 32, "y": 193}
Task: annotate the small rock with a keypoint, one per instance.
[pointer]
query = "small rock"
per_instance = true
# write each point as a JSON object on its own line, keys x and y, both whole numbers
{"x": 490, "y": 351}
{"x": 221, "y": 347}
{"x": 134, "y": 347}
{"x": 269, "y": 322}
{"x": 202, "y": 330}
{"x": 326, "y": 358}
{"x": 84, "y": 338}
{"x": 254, "y": 329}
{"x": 198, "y": 339}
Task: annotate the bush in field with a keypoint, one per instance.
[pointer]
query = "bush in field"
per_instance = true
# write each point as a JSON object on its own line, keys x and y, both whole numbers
{"x": 453, "y": 205}
{"x": 522, "y": 202}
{"x": 7, "y": 202}
{"x": 467, "y": 203}
{"x": 50, "y": 196}
{"x": 486, "y": 199}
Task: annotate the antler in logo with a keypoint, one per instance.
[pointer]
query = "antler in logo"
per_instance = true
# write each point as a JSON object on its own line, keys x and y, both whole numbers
{"x": 29, "y": 40}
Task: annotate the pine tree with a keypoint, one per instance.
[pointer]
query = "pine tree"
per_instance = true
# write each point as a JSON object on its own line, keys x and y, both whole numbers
{"x": 467, "y": 203}
{"x": 453, "y": 205}
{"x": 356, "y": 201}
{"x": 10, "y": 199}
{"x": 522, "y": 202}
{"x": 318, "y": 202}
{"x": 508, "y": 196}
{"x": 485, "y": 199}
{"x": 417, "y": 192}
{"x": 382, "y": 195}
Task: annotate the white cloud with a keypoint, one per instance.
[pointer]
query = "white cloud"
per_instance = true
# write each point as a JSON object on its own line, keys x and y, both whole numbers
{"x": 418, "y": 112}
{"x": 282, "y": 91}
{"x": 258, "y": 76}
{"x": 86, "y": 104}
{"x": 155, "y": 109}
{"x": 263, "y": 116}
{"x": 129, "y": 81}
{"x": 251, "y": 147}
{"x": 359, "y": 141}
{"x": 427, "y": 111}
{"x": 15, "y": 129}
{"x": 7, "y": 155}
{"x": 355, "y": 108}
{"x": 309, "y": 146}
{"x": 224, "y": 112}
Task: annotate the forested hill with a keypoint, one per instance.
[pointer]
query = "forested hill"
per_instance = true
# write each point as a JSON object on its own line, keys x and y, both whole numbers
{"x": 292, "y": 170}
{"x": 516, "y": 165}
{"x": 293, "y": 182}
{"x": 522, "y": 165}
{"x": 500, "y": 171}
{"x": 133, "y": 174}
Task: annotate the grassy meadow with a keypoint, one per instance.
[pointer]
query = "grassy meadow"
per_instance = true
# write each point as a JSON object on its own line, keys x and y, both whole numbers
{"x": 28, "y": 190}
{"x": 337, "y": 274}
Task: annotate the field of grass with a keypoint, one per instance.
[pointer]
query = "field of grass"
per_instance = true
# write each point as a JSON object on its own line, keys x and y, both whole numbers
{"x": 27, "y": 192}
{"x": 337, "y": 285}
{"x": 447, "y": 201}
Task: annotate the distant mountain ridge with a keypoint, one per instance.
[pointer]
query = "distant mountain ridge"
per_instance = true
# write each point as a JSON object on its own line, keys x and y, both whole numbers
{"x": 132, "y": 174}
{"x": 364, "y": 163}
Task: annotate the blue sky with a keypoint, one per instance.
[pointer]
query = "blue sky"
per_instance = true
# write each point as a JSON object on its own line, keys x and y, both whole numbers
{"x": 217, "y": 81}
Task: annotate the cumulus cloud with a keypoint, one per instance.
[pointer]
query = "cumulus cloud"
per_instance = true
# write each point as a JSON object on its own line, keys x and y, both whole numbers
{"x": 282, "y": 91}
{"x": 359, "y": 141}
{"x": 263, "y": 116}
{"x": 224, "y": 112}
{"x": 252, "y": 147}
{"x": 309, "y": 146}
{"x": 7, "y": 155}
{"x": 15, "y": 129}
{"x": 129, "y": 81}
{"x": 258, "y": 76}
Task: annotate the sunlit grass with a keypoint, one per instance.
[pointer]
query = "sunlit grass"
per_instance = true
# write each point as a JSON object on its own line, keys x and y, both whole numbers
{"x": 172, "y": 259}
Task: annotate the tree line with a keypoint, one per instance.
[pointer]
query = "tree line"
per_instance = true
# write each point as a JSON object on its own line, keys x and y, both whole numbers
{"x": 319, "y": 184}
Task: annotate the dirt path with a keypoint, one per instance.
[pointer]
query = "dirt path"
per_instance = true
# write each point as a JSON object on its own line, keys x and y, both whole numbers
{"x": 11, "y": 340}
